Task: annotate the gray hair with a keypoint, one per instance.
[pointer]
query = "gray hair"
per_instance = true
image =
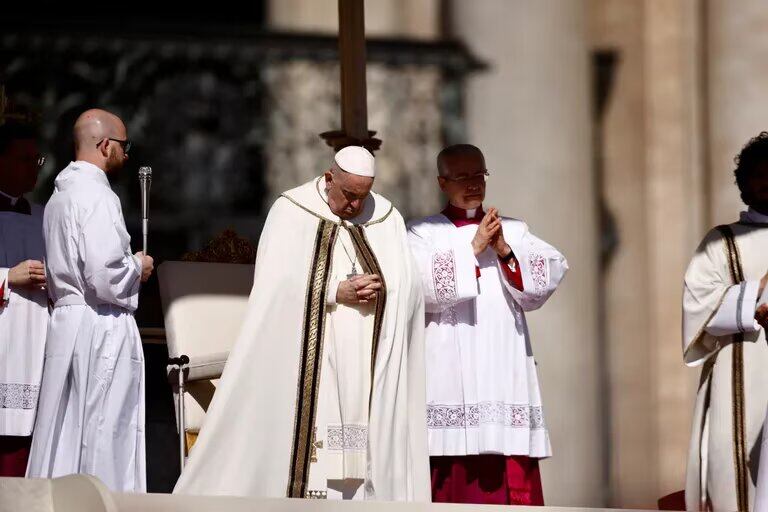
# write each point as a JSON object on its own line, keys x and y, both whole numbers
{"x": 456, "y": 150}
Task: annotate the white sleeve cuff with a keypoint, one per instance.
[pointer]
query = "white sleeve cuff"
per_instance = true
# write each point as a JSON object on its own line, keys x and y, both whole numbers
{"x": 333, "y": 288}
{"x": 139, "y": 264}
{"x": 737, "y": 311}
{"x": 750, "y": 306}
{"x": 133, "y": 301}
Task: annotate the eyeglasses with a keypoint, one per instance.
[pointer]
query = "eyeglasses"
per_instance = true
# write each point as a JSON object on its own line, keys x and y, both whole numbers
{"x": 472, "y": 178}
{"x": 126, "y": 144}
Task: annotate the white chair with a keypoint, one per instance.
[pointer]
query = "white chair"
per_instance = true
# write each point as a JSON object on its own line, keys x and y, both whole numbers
{"x": 203, "y": 305}
{"x": 71, "y": 493}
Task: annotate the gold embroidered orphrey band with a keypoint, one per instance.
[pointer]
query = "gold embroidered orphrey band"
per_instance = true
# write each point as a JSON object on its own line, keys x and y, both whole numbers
{"x": 311, "y": 357}
{"x": 737, "y": 380}
{"x": 312, "y": 344}
{"x": 371, "y": 266}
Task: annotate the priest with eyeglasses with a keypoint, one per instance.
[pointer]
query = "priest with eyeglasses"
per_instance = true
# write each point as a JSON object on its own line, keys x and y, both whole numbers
{"x": 481, "y": 274}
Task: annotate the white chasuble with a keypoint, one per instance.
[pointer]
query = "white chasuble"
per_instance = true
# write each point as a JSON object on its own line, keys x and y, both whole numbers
{"x": 483, "y": 392}
{"x": 91, "y": 412}
{"x": 720, "y": 334}
{"x": 319, "y": 399}
{"x": 23, "y": 323}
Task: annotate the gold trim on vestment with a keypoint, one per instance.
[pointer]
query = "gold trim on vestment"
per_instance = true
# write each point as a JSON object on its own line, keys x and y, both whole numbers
{"x": 311, "y": 357}
{"x": 737, "y": 382}
{"x": 739, "y": 434}
{"x": 371, "y": 266}
{"x": 382, "y": 219}
{"x": 732, "y": 253}
{"x": 338, "y": 222}
{"x": 307, "y": 209}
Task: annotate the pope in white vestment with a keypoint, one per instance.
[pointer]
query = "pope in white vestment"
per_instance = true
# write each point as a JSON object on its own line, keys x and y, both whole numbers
{"x": 23, "y": 298}
{"x": 323, "y": 396}
{"x": 91, "y": 413}
{"x": 720, "y": 333}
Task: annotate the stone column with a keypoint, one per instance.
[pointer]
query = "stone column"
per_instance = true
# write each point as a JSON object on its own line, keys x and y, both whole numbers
{"x": 652, "y": 187}
{"x": 737, "y": 83}
{"x": 673, "y": 202}
{"x": 530, "y": 113}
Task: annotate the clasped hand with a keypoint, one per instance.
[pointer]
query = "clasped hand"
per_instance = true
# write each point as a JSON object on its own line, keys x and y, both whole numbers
{"x": 28, "y": 273}
{"x": 358, "y": 289}
{"x": 490, "y": 234}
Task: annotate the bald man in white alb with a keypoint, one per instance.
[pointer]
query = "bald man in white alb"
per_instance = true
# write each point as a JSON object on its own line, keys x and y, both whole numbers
{"x": 91, "y": 410}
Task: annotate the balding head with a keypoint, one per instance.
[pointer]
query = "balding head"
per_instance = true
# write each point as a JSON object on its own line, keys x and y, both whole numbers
{"x": 458, "y": 152}
{"x": 94, "y": 126}
{"x": 461, "y": 175}
{"x": 99, "y": 139}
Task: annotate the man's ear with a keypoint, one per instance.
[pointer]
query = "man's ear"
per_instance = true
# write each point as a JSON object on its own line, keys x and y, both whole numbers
{"x": 442, "y": 182}
{"x": 328, "y": 176}
{"x": 103, "y": 147}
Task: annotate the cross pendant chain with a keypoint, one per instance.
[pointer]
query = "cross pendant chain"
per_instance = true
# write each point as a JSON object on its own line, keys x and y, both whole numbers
{"x": 351, "y": 260}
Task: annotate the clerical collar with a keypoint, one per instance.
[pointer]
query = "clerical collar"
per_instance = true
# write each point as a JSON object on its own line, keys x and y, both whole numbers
{"x": 753, "y": 216}
{"x": 10, "y": 198}
{"x": 461, "y": 217}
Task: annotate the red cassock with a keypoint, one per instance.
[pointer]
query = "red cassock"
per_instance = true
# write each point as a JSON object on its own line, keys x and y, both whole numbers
{"x": 14, "y": 452}
{"x": 486, "y": 479}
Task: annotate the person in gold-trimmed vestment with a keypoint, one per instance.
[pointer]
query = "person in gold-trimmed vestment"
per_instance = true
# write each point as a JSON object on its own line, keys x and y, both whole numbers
{"x": 723, "y": 308}
{"x": 323, "y": 392}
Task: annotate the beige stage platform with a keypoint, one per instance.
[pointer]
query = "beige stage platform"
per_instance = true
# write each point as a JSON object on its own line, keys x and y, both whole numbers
{"x": 82, "y": 493}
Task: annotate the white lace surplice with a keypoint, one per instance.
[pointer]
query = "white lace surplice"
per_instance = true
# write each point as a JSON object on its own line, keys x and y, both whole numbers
{"x": 482, "y": 385}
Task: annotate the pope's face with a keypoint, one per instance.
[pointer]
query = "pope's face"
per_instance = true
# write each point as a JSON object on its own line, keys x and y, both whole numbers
{"x": 346, "y": 193}
{"x": 463, "y": 180}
